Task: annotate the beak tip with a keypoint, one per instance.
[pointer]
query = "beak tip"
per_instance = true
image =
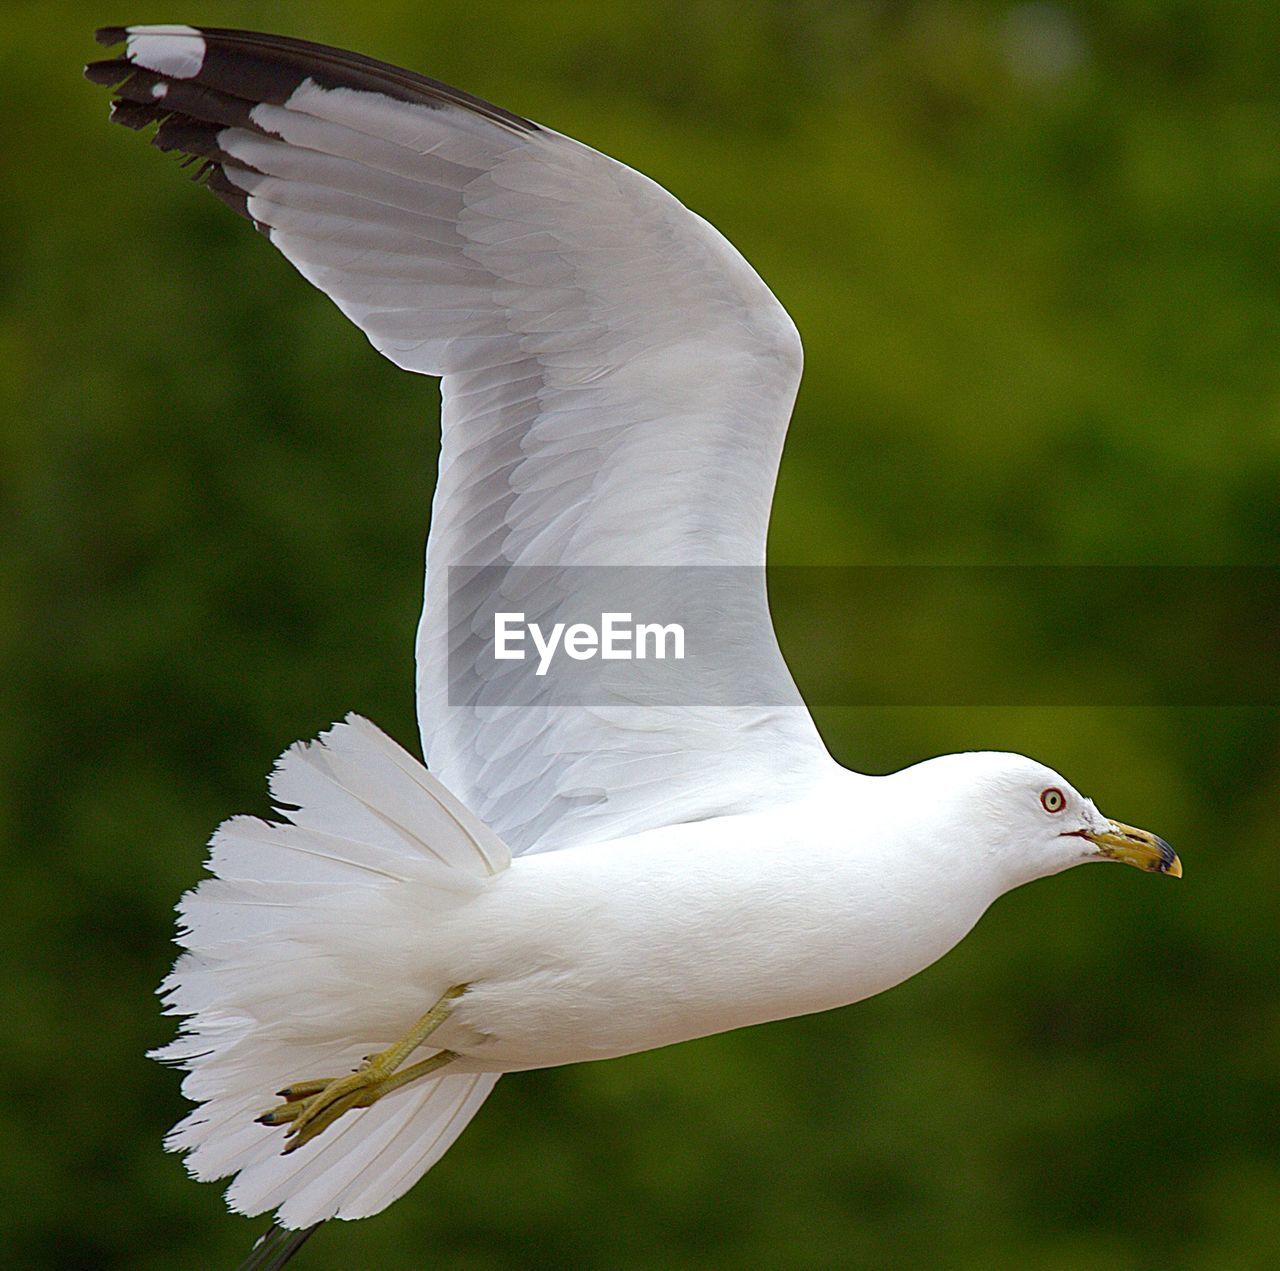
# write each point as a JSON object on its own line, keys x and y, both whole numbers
{"x": 1175, "y": 868}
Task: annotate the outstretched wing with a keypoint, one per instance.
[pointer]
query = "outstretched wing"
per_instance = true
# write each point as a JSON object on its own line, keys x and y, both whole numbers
{"x": 617, "y": 382}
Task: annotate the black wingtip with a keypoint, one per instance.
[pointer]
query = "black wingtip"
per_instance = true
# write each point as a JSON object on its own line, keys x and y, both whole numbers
{"x": 276, "y": 1246}
{"x": 108, "y": 73}
{"x": 135, "y": 115}
{"x": 256, "y": 67}
{"x": 226, "y": 191}
{"x": 235, "y": 74}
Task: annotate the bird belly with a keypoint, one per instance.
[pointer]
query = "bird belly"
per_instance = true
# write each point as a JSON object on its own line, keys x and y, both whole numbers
{"x": 599, "y": 956}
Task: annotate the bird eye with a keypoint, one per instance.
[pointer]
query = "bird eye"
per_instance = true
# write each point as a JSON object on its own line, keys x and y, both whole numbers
{"x": 1052, "y": 799}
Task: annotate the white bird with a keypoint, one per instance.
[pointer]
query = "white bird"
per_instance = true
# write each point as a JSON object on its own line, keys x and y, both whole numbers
{"x": 572, "y": 879}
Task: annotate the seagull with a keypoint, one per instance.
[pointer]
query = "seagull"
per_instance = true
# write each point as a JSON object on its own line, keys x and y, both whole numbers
{"x": 566, "y": 878}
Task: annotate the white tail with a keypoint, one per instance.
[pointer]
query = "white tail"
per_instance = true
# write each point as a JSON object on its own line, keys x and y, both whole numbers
{"x": 290, "y": 972}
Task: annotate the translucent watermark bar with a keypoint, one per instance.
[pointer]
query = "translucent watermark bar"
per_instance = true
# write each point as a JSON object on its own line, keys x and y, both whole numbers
{"x": 865, "y": 635}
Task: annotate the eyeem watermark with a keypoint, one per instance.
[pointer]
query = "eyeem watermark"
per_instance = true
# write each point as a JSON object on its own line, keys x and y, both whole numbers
{"x": 910, "y": 635}
{"x": 616, "y": 639}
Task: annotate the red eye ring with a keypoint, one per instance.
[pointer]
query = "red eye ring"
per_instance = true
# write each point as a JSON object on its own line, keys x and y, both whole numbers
{"x": 1052, "y": 799}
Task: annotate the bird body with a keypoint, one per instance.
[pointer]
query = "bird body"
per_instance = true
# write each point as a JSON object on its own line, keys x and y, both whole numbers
{"x": 585, "y": 871}
{"x": 607, "y": 949}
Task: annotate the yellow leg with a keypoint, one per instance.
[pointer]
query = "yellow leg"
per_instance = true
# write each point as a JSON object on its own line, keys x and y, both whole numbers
{"x": 313, "y": 1106}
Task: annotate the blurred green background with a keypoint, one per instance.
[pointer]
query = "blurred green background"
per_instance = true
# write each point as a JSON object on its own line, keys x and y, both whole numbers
{"x": 1032, "y": 250}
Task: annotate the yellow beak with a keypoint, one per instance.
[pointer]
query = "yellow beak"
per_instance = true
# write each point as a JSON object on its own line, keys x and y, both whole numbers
{"x": 1135, "y": 847}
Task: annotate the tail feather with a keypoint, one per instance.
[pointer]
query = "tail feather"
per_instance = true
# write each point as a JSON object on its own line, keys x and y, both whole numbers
{"x": 247, "y": 849}
{"x": 403, "y": 1161}
{"x": 298, "y": 953}
{"x": 359, "y": 784}
{"x": 350, "y": 1178}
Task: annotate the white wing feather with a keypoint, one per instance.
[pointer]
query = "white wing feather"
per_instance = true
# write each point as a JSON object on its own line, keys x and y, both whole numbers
{"x": 617, "y": 382}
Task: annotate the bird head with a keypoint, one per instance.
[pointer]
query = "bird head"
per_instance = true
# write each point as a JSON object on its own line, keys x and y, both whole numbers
{"x": 1029, "y": 821}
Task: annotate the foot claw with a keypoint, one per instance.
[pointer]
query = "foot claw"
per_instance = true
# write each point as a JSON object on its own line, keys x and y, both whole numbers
{"x": 282, "y": 1115}
{"x": 313, "y": 1106}
{"x": 304, "y": 1089}
{"x": 303, "y": 1131}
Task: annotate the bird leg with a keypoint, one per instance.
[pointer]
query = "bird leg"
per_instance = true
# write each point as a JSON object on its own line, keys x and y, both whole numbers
{"x": 311, "y": 1107}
